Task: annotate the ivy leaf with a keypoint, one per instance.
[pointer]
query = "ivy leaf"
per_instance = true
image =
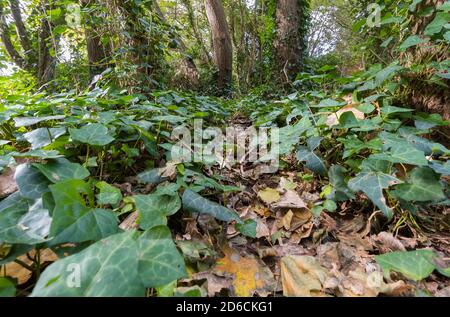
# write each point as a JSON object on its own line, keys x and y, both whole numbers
{"x": 43, "y": 136}
{"x": 441, "y": 19}
{"x": 423, "y": 185}
{"x": 415, "y": 265}
{"x": 21, "y": 224}
{"x": 387, "y": 73}
{"x": 61, "y": 169}
{"x": 108, "y": 194}
{"x": 73, "y": 221}
{"x": 372, "y": 184}
{"x": 329, "y": 103}
{"x": 248, "y": 228}
{"x": 42, "y": 154}
{"x": 312, "y": 161}
{"x": 31, "y": 183}
{"x": 341, "y": 192}
{"x": 154, "y": 209}
{"x": 106, "y": 268}
{"x": 28, "y": 121}
{"x": 411, "y": 41}
{"x": 291, "y": 135}
{"x": 441, "y": 168}
{"x": 159, "y": 260}
{"x": 152, "y": 176}
{"x": 403, "y": 153}
{"x": 7, "y": 287}
{"x": 193, "y": 202}
{"x": 93, "y": 134}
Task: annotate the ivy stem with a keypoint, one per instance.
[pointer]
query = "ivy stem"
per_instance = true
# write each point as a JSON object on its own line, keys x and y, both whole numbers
{"x": 23, "y": 264}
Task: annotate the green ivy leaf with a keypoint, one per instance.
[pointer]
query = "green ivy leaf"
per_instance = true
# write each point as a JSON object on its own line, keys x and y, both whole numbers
{"x": 28, "y": 121}
{"x": 403, "y": 153}
{"x": 7, "y": 287}
{"x": 312, "y": 161}
{"x": 193, "y": 202}
{"x": 154, "y": 209}
{"x": 341, "y": 192}
{"x": 43, "y": 136}
{"x": 159, "y": 260}
{"x": 31, "y": 183}
{"x": 61, "y": 169}
{"x": 441, "y": 168}
{"x": 21, "y": 224}
{"x": 93, "y": 134}
{"x": 248, "y": 228}
{"x": 440, "y": 20}
{"x": 106, "y": 268}
{"x": 372, "y": 184}
{"x": 108, "y": 194}
{"x": 411, "y": 41}
{"x": 415, "y": 265}
{"x": 73, "y": 220}
{"x": 423, "y": 185}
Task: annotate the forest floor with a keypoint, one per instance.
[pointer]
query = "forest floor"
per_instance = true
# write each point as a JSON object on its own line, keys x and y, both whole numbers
{"x": 296, "y": 251}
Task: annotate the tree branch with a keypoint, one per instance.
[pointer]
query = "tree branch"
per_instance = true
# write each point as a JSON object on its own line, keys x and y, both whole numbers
{"x": 20, "y": 26}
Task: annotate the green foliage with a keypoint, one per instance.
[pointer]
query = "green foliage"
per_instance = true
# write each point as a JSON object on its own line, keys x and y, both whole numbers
{"x": 415, "y": 265}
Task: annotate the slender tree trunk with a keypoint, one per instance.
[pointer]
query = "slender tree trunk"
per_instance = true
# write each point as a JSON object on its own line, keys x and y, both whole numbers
{"x": 7, "y": 43}
{"x": 20, "y": 27}
{"x": 46, "y": 61}
{"x": 98, "y": 53}
{"x": 222, "y": 47}
{"x": 288, "y": 38}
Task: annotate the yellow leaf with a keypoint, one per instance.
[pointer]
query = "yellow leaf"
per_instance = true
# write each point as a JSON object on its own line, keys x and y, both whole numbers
{"x": 250, "y": 275}
{"x": 269, "y": 195}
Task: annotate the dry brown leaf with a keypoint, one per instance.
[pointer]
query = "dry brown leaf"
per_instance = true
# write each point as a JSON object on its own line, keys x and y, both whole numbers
{"x": 214, "y": 283}
{"x": 285, "y": 222}
{"x": 290, "y": 200}
{"x": 250, "y": 275}
{"x": 386, "y": 243}
{"x": 7, "y": 183}
{"x": 302, "y": 276}
{"x": 362, "y": 284}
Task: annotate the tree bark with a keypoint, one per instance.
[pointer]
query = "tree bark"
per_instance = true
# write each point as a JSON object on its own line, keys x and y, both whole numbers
{"x": 223, "y": 52}
{"x": 288, "y": 39}
{"x": 7, "y": 43}
{"x": 46, "y": 62}
{"x": 98, "y": 54}
{"x": 20, "y": 26}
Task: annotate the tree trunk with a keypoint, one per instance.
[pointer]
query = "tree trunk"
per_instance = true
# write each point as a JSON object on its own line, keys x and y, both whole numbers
{"x": 98, "y": 54}
{"x": 288, "y": 39}
{"x": 20, "y": 27}
{"x": 46, "y": 62}
{"x": 7, "y": 43}
{"x": 221, "y": 43}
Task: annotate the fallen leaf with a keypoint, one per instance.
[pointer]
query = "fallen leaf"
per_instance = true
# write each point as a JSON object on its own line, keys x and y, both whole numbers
{"x": 290, "y": 200}
{"x": 250, "y": 275}
{"x": 7, "y": 183}
{"x": 214, "y": 283}
{"x": 302, "y": 276}
{"x": 269, "y": 195}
